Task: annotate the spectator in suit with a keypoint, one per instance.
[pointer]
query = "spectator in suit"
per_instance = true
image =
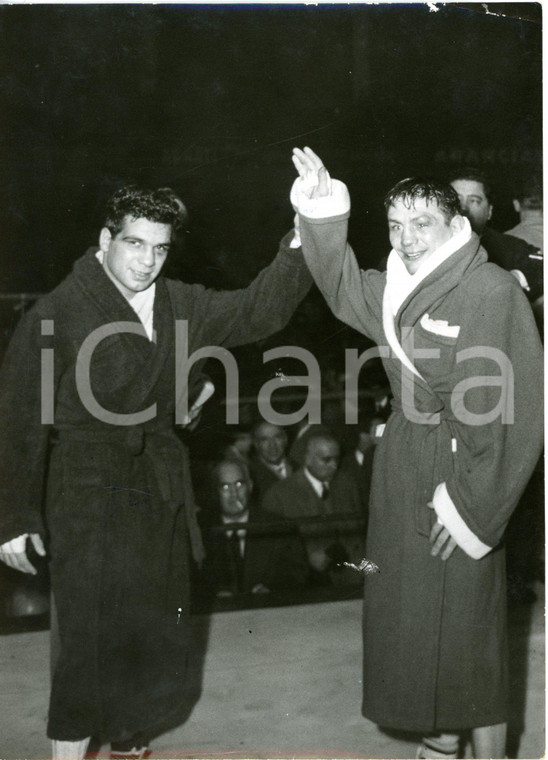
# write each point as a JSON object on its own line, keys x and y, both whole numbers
{"x": 318, "y": 490}
{"x": 297, "y": 450}
{"x": 508, "y": 251}
{"x": 242, "y": 557}
{"x": 269, "y": 463}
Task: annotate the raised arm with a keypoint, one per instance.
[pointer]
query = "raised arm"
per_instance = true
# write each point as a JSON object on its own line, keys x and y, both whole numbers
{"x": 235, "y": 317}
{"x": 323, "y": 209}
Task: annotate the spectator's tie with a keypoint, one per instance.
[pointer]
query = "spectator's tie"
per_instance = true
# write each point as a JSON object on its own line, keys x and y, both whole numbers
{"x": 281, "y": 470}
{"x": 236, "y": 557}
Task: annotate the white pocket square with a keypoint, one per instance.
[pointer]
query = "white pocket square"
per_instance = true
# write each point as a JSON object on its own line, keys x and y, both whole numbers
{"x": 440, "y": 327}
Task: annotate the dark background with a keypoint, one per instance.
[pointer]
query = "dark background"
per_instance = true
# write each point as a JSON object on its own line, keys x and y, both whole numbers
{"x": 211, "y": 99}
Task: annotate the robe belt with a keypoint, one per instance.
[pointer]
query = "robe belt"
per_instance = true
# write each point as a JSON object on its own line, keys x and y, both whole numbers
{"x": 435, "y": 448}
{"x": 442, "y": 412}
{"x": 146, "y": 440}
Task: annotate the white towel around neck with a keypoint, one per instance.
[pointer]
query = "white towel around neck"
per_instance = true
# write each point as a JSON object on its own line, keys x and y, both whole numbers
{"x": 400, "y": 284}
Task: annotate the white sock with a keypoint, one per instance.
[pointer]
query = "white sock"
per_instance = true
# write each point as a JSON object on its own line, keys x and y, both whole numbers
{"x": 439, "y": 746}
{"x": 69, "y": 750}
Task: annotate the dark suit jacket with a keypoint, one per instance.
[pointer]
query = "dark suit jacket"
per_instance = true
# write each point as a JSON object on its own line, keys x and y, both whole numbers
{"x": 263, "y": 477}
{"x": 513, "y": 253}
{"x": 295, "y": 498}
{"x": 275, "y": 558}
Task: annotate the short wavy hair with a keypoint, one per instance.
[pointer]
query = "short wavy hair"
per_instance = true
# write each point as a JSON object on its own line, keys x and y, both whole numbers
{"x": 429, "y": 189}
{"x": 472, "y": 174}
{"x": 161, "y": 205}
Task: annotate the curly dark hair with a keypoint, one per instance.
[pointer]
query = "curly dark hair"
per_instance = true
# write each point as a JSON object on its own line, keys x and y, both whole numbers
{"x": 161, "y": 205}
{"x": 430, "y": 189}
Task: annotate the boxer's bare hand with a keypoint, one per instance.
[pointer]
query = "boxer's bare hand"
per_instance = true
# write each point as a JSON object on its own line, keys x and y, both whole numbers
{"x": 13, "y": 553}
{"x": 312, "y": 171}
{"x": 443, "y": 544}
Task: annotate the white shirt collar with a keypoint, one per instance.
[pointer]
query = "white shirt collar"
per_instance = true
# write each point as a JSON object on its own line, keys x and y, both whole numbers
{"x": 316, "y": 484}
{"x": 280, "y": 468}
{"x": 241, "y": 519}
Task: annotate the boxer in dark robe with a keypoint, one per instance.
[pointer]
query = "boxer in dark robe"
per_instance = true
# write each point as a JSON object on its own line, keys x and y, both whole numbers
{"x": 92, "y": 467}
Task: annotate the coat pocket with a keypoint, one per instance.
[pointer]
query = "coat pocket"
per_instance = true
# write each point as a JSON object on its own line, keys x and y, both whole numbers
{"x": 439, "y": 330}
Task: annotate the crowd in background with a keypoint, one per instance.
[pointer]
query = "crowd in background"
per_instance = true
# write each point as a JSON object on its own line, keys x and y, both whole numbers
{"x": 301, "y": 493}
{"x": 299, "y": 543}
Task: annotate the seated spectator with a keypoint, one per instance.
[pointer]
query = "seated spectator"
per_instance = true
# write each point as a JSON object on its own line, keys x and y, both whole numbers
{"x": 317, "y": 490}
{"x": 269, "y": 462}
{"x": 241, "y": 556}
{"x": 297, "y": 450}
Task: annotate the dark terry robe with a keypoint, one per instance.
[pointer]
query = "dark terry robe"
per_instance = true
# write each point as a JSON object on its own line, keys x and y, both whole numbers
{"x": 119, "y": 506}
{"x": 435, "y": 632}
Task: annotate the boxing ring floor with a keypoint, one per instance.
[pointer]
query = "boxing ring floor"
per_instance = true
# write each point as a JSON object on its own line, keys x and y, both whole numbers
{"x": 274, "y": 683}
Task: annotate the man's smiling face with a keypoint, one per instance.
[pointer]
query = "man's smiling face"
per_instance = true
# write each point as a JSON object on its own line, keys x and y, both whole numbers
{"x": 417, "y": 231}
{"x": 134, "y": 257}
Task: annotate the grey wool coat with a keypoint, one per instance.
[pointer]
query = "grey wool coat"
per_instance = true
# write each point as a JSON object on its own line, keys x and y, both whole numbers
{"x": 118, "y": 511}
{"x": 434, "y": 632}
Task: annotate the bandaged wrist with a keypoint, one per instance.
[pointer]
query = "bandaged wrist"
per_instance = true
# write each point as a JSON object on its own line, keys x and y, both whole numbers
{"x": 334, "y": 204}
